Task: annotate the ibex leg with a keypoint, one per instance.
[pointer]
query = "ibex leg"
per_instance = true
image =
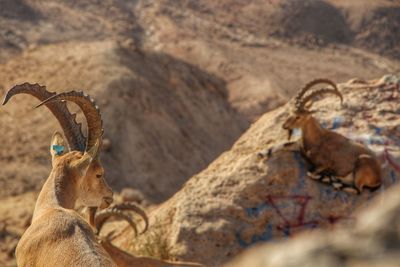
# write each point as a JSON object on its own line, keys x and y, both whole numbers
{"x": 367, "y": 173}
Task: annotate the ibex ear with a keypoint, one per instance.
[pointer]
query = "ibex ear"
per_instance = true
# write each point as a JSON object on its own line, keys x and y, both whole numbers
{"x": 308, "y": 105}
{"x": 57, "y": 147}
{"x": 94, "y": 151}
{"x": 82, "y": 165}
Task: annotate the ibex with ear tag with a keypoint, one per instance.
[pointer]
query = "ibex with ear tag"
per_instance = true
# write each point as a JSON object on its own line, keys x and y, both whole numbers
{"x": 336, "y": 159}
{"x": 59, "y": 236}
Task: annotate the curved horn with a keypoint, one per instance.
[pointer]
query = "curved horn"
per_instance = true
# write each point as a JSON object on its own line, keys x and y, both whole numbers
{"x": 90, "y": 110}
{"x": 72, "y": 129}
{"x": 104, "y": 215}
{"x": 309, "y": 85}
{"x": 133, "y": 207}
{"x": 320, "y": 92}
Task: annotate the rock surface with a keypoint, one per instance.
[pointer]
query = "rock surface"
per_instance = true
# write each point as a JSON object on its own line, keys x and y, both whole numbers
{"x": 241, "y": 199}
{"x": 372, "y": 241}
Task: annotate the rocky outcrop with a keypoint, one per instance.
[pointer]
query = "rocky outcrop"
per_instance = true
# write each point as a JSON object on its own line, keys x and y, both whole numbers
{"x": 373, "y": 240}
{"x": 242, "y": 199}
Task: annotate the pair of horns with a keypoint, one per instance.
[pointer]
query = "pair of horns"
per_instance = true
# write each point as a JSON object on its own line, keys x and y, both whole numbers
{"x": 302, "y": 101}
{"x": 56, "y": 104}
{"x": 118, "y": 210}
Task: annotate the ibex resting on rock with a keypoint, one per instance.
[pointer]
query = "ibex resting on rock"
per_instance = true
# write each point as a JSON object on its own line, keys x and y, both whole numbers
{"x": 335, "y": 159}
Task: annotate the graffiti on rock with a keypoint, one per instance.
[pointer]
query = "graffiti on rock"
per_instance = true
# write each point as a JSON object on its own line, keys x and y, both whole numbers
{"x": 291, "y": 212}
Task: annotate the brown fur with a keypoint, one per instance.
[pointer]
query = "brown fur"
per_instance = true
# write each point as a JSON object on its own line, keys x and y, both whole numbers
{"x": 59, "y": 236}
{"x": 330, "y": 152}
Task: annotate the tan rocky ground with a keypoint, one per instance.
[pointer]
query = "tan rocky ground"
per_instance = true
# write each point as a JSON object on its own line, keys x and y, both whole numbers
{"x": 178, "y": 81}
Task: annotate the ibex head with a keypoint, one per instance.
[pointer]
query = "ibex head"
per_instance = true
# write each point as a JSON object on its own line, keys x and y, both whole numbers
{"x": 85, "y": 171}
{"x": 301, "y": 113}
{"x": 82, "y": 163}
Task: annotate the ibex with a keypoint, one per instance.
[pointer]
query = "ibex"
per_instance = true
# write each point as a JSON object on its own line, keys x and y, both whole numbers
{"x": 120, "y": 257}
{"x": 59, "y": 236}
{"x": 335, "y": 159}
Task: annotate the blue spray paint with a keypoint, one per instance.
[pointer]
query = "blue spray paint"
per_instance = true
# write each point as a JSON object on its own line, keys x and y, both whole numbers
{"x": 337, "y": 122}
{"x": 393, "y": 177}
{"x": 256, "y": 211}
{"x": 302, "y": 174}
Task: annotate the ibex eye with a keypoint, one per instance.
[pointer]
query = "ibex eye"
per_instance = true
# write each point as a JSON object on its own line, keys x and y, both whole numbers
{"x": 99, "y": 175}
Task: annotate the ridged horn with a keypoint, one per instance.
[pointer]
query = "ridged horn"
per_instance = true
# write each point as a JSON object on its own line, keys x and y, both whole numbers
{"x": 72, "y": 130}
{"x": 90, "y": 110}
{"x": 104, "y": 215}
{"x": 309, "y": 85}
{"x": 133, "y": 207}
{"x": 320, "y": 92}
{"x": 118, "y": 211}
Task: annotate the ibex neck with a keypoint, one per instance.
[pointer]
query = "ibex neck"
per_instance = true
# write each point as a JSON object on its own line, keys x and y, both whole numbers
{"x": 312, "y": 133}
{"x": 57, "y": 192}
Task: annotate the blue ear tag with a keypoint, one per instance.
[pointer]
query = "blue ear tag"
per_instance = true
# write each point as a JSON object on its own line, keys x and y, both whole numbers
{"x": 337, "y": 121}
{"x": 58, "y": 149}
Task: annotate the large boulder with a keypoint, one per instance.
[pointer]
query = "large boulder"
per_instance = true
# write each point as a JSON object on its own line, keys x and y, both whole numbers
{"x": 374, "y": 240}
{"x": 242, "y": 199}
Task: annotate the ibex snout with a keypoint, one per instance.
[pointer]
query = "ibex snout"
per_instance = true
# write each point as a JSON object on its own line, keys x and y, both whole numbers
{"x": 286, "y": 126}
{"x": 107, "y": 201}
{"x": 290, "y": 124}
{"x": 106, "y": 194}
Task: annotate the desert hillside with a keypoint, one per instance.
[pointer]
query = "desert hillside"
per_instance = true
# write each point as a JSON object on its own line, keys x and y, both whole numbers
{"x": 177, "y": 82}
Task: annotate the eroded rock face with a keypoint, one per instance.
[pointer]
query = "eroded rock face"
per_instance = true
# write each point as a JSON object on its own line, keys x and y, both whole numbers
{"x": 373, "y": 240}
{"x": 242, "y": 199}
